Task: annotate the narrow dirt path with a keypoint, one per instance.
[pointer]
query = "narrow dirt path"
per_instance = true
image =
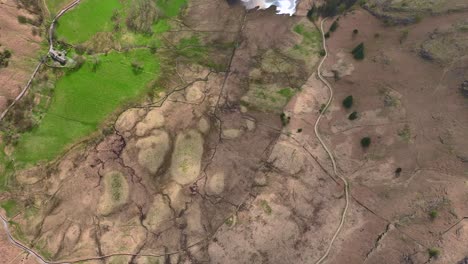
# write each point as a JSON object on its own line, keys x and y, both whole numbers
{"x": 330, "y": 154}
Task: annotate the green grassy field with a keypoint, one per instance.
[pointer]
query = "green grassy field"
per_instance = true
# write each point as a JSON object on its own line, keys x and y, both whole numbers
{"x": 10, "y": 207}
{"x": 83, "y": 99}
{"x": 55, "y": 5}
{"x": 85, "y": 20}
{"x": 170, "y": 8}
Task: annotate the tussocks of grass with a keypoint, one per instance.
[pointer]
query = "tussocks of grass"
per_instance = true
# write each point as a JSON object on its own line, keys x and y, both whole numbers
{"x": 266, "y": 207}
{"x": 186, "y": 158}
{"x": 116, "y": 193}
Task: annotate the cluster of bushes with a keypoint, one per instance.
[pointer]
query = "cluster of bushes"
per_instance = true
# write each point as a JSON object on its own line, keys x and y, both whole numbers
{"x": 330, "y": 8}
{"x": 31, "y": 5}
{"x": 18, "y": 120}
{"x": 285, "y": 119}
{"x": 141, "y": 16}
{"x": 348, "y": 103}
{"x": 332, "y": 28}
{"x": 25, "y": 20}
{"x": 4, "y": 58}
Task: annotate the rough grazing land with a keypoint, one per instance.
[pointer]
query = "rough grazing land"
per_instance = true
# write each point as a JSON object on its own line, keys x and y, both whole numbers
{"x": 19, "y": 40}
{"x": 218, "y": 162}
{"x": 88, "y": 18}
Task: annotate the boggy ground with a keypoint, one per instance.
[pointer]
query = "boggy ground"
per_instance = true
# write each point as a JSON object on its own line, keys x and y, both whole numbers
{"x": 207, "y": 172}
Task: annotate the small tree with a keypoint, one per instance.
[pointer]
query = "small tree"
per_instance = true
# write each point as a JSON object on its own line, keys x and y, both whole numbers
{"x": 312, "y": 13}
{"x": 398, "y": 171}
{"x": 284, "y": 119}
{"x": 348, "y": 102}
{"x": 355, "y": 32}
{"x": 353, "y": 116}
{"x": 22, "y": 19}
{"x": 358, "y": 52}
{"x": 327, "y": 35}
{"x": 365, "y": 142}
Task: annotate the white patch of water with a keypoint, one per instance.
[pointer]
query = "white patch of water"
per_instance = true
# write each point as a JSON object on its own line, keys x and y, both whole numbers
{"x": 282, "y": 6}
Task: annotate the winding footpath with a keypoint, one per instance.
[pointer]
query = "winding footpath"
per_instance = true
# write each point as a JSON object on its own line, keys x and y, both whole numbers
{"x": 330, "y": 154}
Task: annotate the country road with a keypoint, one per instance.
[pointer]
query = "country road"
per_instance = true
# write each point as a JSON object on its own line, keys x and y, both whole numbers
{"x": 41, "y": 62}
{"x": 4, "y": 220}
{"x": 330, "y": 154}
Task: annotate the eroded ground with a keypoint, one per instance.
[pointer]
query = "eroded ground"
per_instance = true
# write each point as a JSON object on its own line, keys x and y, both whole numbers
{"x": 224, "y": 167}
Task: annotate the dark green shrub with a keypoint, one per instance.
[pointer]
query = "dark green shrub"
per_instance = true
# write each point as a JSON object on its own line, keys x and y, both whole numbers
{"x": 398, "y": 171}
{"x": 348, "y": 102}
{"x": 334, "y": 26}
{"x": 7, "y": 54}
{"x": 353, "y": 116}
{"x": 358, "y": 52}
{"x": 322, "y": 108}
{"x": 322, "y": 53}
{"x": 284, "y": 119}
{"x": 299, "y": 130}
{"x": 433, "y": 214}
{"x": 4, "y": 58}
{"x": 433, "y": 252}
{"x": 327, "y": 35}
{"x": 355, "y": 32}
{"x": 365, "y": 142}
{"x": 23, "y": 20}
